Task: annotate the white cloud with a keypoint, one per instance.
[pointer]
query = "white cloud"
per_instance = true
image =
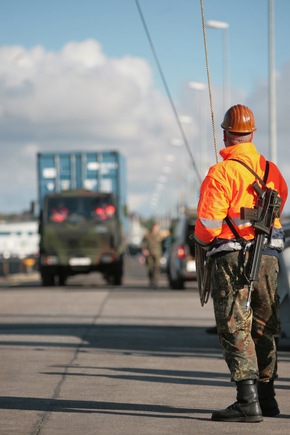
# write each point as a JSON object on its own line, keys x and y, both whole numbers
{"x": 80, "y": 99}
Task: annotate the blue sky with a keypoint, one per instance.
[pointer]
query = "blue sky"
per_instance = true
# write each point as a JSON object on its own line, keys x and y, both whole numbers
{"x": 175, "y": 27}
{"x": 115, "y": 25}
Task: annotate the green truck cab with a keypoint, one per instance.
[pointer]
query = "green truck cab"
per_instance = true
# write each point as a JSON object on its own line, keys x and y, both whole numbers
{"x": 82, "y": 230}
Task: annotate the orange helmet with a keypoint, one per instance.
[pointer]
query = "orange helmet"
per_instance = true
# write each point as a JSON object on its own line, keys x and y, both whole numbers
{"x": 239, "y": 119}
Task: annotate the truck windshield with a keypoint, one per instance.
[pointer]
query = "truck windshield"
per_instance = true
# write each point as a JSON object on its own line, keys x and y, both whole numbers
{"x": 78, "y": 209}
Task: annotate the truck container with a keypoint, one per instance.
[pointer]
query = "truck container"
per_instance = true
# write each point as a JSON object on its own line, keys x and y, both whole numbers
{"x": 82, "y": 225}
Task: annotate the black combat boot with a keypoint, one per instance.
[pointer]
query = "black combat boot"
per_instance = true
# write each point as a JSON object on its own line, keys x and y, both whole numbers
{"x": 246, "y": 408}
{"x": 267, "y": 399}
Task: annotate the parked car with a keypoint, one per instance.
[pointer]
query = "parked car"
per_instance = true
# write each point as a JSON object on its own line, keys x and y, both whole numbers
{"x": 181, "y": 266}
{"x": 165, "y": 245}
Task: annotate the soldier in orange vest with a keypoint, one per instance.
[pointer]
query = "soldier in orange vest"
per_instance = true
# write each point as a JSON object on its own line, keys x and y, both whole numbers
{"x": 247, "y": 337}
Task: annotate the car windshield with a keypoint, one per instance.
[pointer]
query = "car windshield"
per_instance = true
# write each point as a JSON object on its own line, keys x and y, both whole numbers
{"x": 75, "y": 209}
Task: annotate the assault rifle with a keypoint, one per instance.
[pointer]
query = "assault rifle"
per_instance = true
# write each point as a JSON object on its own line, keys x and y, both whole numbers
{"x": 262, "y": 217}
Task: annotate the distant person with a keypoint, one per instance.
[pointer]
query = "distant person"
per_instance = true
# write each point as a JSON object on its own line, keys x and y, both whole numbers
{"x": 246, "y": 328}
{"x": 152, "y": 251}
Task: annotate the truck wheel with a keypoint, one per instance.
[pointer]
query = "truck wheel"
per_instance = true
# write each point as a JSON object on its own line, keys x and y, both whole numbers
{"x": 47, "y": 279}
{"x": 118, "y": 276}
{"x": 117, "y": 279}
{"x": 114, "y": 278}
{"x": 62, "y": 279}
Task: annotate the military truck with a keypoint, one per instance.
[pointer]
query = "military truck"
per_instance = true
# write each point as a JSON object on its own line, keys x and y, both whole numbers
{"x": 82, "y": 222}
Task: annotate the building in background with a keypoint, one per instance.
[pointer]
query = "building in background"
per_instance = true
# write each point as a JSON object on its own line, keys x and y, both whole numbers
{"x": 19, "y": 246}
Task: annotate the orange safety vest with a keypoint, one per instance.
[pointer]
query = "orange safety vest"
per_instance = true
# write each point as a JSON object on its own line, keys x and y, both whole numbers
{"x": 227, "y": 188}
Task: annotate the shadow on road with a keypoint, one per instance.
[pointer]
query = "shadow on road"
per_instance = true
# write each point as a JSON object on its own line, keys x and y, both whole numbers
{"x": 122, "y": 338}
{"x": 83, "y": 406}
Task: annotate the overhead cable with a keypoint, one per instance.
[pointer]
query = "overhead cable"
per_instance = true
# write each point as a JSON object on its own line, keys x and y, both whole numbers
{"x": 168, "y": 92}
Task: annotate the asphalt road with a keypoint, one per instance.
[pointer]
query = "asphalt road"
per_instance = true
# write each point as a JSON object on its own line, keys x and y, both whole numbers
{"x": 90, "y": 359}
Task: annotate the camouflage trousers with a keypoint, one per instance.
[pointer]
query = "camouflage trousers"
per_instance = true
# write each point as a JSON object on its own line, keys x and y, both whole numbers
{"x": 247, "y": 338}
{"x": 153, "y": 263}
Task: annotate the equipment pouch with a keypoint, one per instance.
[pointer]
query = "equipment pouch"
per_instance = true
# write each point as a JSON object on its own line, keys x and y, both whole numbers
{"x": 203, "y": 272}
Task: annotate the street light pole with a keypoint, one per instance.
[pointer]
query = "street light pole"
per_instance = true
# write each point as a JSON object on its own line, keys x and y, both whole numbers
{"x": 179, "y": 172}
{"x": 201, "y": 88}
{"x": 224, "y": 27}
{"x": 272, "y": 86}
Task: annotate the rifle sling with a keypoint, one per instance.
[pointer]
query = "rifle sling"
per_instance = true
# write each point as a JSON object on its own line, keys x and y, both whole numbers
{"x": 228, "y": 219}
{"x": 264, "y": 181}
